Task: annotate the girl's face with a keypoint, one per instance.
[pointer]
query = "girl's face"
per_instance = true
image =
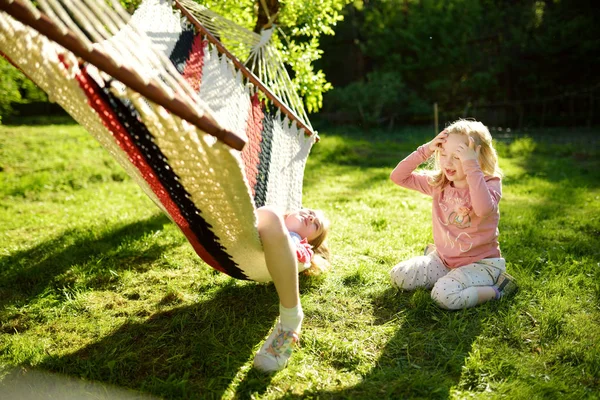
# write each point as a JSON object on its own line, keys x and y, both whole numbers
{"x": 449, "y": 161}
{"x": 305, "y": 223}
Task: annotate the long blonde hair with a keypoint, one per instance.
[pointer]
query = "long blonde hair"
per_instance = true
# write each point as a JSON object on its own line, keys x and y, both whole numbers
{"x": 488, "y": 159}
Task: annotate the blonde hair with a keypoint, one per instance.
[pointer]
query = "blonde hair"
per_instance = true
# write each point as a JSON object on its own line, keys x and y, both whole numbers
{"x": 488, "y": 159}
{"x": 320, "y": 263}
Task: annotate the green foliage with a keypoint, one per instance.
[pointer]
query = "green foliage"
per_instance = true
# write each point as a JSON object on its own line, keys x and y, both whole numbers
{"x": 381, "y": 98}
{"x": 242, "y": 12}
{"x": 431, "y": 47}
{"x": 15, "y": 87}
{"x": 466, "y": 54}
{"x": 309, "y": 83}
{"x": 300, "y": 25}
{"x": 130, "y": 5}
{"x": 9, "y": 90}
{"x": 97, "y": 285}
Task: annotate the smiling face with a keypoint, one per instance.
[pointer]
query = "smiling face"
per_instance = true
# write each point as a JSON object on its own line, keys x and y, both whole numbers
{"x": 306, "y": 222}
{"x": 450, "y": 163}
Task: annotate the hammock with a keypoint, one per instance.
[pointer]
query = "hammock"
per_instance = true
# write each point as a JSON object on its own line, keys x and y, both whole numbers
{"x": 174, "y": 107}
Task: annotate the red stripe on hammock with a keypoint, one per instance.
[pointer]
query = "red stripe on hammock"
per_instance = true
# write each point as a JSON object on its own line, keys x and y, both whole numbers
{"x": 250, "y": 153}
{"x": 192, "y": 72}
{"x": 112, "y": 123}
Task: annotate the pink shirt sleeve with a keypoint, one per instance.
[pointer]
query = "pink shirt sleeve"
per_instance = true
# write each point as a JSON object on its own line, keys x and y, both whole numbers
{"x": 485, "y": 194}
{"x": 404, "y": 174}
{"x": 304, "y": 251}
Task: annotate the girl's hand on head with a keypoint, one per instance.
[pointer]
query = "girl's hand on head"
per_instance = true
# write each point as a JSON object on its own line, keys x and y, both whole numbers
{"x": 437, "y": 141}
{"x": 468, "y": 152}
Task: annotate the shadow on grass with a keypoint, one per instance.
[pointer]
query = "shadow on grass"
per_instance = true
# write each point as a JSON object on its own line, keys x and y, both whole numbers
{"x": 193, "y": 351}
{"x": 426, "y": 356}
{"x": 187, "y": 352}
{"x": 29, "y": 273}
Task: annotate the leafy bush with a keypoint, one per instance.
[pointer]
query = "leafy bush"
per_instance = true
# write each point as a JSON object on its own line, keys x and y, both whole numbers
{"x": 9, "y": 89}
{"x": 15, "y": 87}
{"x": 490, "y": 59}
{"x": 382, "y": 98}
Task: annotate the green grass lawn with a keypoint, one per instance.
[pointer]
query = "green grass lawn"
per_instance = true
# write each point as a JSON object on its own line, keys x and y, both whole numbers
{"x": 100, "y": 294}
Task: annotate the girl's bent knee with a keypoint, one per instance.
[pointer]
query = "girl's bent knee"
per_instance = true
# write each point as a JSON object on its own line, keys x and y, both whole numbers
{"x": 450, "y": 294}
{"x": 421, "y": 271}
{"x": 398, "y": 276}
{"x": 269, "y": 221}
{"x": 446, "y": 303}
{"x": 404, "y": 277}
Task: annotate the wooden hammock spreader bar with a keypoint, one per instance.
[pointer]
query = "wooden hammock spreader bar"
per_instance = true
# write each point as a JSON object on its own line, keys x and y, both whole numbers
{"x": 18, "y": 10}
{"x": 245, "y": 71}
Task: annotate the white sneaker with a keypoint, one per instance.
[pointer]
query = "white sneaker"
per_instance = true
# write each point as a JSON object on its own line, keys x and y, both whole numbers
{"x": 276, "y": 351}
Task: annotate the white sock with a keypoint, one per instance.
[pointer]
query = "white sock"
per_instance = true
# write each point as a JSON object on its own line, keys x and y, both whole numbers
{"x": 291, "y": 318}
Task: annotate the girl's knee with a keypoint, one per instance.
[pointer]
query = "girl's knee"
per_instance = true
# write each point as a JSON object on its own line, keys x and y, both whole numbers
{"x": 399, "y": 278}
{"x": 270, "y": 221}
{"x": 449, "y": 303}
{"x": 447, "y": 294}
{"x": 409, "y": 274}
{"x": 421, "y": 271}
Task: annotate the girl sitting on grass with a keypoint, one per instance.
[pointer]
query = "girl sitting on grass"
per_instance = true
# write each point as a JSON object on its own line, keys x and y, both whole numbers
{"x": 464, "y": 268}
{"x": 292, "y": 243}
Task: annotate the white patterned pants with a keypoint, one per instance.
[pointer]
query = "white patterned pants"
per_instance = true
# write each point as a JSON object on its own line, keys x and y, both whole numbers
{"x": 452, "y": 289}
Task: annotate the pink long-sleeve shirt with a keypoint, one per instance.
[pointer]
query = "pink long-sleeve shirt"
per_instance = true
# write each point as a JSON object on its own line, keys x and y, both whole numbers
{"x": 465, "y": 221}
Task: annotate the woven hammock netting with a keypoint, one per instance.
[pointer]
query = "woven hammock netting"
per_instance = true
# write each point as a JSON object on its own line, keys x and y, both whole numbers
{"x": 207, "y": 188}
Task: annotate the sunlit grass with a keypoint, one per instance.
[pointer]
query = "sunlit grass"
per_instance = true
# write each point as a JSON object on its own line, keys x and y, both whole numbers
{"x": 95, "y": 283}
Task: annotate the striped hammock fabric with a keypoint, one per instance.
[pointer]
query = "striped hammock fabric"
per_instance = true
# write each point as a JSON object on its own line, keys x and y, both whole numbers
{"x": 209, "y": 189}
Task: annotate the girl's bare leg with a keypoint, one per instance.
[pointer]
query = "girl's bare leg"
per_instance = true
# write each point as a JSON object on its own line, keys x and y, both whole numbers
{"x": 485, "y": 293}
{"x": 279, "y": 255}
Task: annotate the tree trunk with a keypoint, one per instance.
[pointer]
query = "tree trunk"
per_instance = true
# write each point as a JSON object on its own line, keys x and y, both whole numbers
{"x": 267, "y": 11}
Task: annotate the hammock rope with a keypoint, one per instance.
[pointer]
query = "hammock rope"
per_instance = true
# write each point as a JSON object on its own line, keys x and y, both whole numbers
{"x": 209, "y": 189}
{"x": 262, "y": 58}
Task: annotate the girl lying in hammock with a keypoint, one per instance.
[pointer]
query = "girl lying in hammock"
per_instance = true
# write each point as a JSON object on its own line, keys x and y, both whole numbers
{"x": 292, "y": 243}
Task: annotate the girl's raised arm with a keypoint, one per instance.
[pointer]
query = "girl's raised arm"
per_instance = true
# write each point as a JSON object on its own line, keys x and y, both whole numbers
{"x": 404, "y": 175}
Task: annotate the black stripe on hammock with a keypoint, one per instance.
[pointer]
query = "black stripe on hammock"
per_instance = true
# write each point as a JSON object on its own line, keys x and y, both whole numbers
{"x": 181, "y": 51}
{"x": 262, "y": 179}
